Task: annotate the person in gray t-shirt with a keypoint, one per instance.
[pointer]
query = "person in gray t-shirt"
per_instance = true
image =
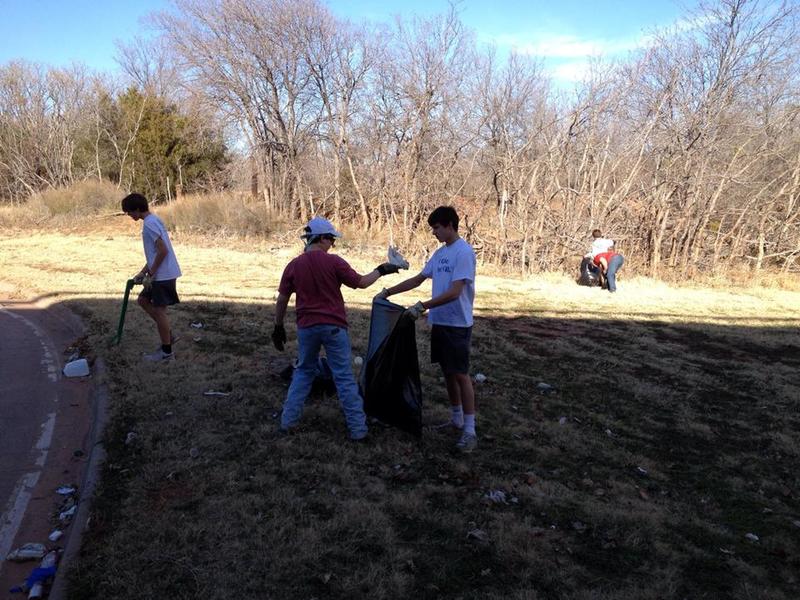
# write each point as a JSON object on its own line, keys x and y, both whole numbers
{"x": 452, "y": 269}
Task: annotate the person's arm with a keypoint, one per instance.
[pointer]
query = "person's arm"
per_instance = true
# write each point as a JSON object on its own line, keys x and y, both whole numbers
{"x": 368, "y": 279}
{"x": 280, "y": 308}
{"x": 448, "y": 295}
{"x": 161, "y": 254}
{"x": 408, "y": 284}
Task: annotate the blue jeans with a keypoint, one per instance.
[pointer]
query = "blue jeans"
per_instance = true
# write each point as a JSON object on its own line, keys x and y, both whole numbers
{"x": 337, "y": 349}
{"x": 614, "y": 265}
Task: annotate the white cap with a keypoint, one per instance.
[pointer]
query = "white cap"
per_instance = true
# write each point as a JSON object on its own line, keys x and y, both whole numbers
{"x": 319, "y": 226}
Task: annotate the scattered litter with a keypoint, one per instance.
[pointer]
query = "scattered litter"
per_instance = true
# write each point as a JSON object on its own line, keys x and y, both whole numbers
{"x": 514, "y": 500}
{"x": 562, "y": 420}
{"x": 77, "y": 368}
{"x": 486, "y": 572}
{"x": 751, "y": 536}
{"x": 644, "y": 495}
{"x": 130, "y": 438}
{"x": 196, "y": 338}
{"x": 396, "y": 258}
{"x": 66, "y": 490}
{"x": 478, "y": 534}
{"x": 197, "y": 325}
{"x": 609, "y": 433}
{"x": 55, "y": 535}
{"x": 274, "y": 415}
{"x": 31, "y": 551}
{"x": 213, "y": 393}
{"x": 194, "y": 452}
{"x": 39, "y": 576}
{"x": 796, "y": 523}
{"x": 579, "y": 526}
{"x": 68, "y": 514}
{"x": 480, "y": 378}
{"x": 726, "y": 551}
{"x": 641, "y": 470}
{"x": 496, "y": 496}
{"x": 358, "y": 361}
{"x": 545, "y": 388}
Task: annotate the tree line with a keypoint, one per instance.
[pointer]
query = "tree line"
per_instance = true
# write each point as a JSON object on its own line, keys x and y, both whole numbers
{"x": 687, "y": 151}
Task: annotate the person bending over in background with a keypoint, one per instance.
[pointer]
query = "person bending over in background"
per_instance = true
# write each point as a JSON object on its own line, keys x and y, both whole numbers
{"x": 317, "y": 277}
{"x": 599, "y": 244}
{"x": 609, "y": 263}
{"x": 452, "y": 268}
{"x": 158, "y": 275}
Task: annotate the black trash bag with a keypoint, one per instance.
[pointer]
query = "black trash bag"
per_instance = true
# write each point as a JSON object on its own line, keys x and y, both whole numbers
{"x": 590, "y": 274}
{"x": 390, "y": 383}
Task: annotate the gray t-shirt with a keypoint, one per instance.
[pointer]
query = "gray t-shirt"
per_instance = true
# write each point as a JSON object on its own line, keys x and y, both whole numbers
{"x": 451, "y": 263}
{"x": 153, "y": 229}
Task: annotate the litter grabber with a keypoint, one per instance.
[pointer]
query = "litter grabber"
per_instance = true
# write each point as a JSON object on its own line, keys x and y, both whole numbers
{"x": 138, "y": 280}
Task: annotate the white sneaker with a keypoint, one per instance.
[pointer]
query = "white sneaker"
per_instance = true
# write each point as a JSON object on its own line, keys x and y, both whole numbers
{"x": 467, "y": 443}
{"x": 159, "y": 355}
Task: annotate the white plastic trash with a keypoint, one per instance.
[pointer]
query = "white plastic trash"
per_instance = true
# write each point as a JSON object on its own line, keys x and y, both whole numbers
{"x": 77, "y": 368}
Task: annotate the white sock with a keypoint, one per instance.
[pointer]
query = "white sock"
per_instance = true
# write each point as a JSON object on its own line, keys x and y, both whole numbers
{"x": 457, "y": 415}
{"x": 469, "y": 424}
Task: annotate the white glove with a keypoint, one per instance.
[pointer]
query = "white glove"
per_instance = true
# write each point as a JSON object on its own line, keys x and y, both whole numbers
{"x": 396, "y": 258}
{"x": 415, "y": 312}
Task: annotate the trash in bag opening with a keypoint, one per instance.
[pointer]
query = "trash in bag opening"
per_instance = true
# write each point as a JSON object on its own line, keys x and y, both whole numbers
{"x": 390, "y": 382}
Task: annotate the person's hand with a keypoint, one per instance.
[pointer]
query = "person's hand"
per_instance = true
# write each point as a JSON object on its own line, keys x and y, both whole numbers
{"x": 382, "y": 295}
{"x": 387, "y": 268}
{"x": 415, "y": 312}
{"x": 138, "y": 279}
{"x": 278, "y": 337}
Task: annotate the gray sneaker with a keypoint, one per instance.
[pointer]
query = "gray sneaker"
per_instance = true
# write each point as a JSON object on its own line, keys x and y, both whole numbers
{"x": 467, "y": 443}
{"x": 159, "y": 355}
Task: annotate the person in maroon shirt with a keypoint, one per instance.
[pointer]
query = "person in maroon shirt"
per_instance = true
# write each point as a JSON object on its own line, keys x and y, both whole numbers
{"x": 609, "y": 262}
{"x": 316, "y": 277}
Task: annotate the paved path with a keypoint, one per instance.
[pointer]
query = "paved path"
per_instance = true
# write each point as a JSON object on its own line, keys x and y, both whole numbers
{"x": 44, "y": 418}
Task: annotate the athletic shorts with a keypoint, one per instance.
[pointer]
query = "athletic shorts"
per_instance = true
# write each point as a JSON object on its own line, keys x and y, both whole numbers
{"x": 162, "y": 293}
{"x": 450, "y": 348}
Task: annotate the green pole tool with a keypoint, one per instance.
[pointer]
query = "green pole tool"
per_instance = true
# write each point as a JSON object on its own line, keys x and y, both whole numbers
{"x": 128, "y": 287}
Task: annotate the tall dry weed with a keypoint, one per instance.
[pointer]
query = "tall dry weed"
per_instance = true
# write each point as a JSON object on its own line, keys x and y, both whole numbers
{"x": 224, "y": 213}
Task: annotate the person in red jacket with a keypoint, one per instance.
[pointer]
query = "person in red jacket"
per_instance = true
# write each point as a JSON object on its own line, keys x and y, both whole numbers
{"x": 609, "y": 262}
{"x": 317, "y": 277}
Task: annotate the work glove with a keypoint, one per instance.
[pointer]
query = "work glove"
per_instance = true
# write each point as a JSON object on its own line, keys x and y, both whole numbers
{"x": 382, "y": 295}
{"x": 138, "y": 279}
{"x": 415, "y": 312}
{"x": 279, "y": 337}
{"x": 386, "y": 268}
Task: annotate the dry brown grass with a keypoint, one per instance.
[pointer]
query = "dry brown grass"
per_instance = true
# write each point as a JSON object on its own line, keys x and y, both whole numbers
{"x": 698, "y": 387}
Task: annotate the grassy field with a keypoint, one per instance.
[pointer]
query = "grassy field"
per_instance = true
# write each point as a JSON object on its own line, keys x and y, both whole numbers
{"x": 673, "y": 433}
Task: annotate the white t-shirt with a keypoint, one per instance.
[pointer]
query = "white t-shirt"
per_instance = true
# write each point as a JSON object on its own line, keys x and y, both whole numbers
{"x": 601, "y": 245}
{"x": 153, "y": 229}
{"x": 451, "y": 263}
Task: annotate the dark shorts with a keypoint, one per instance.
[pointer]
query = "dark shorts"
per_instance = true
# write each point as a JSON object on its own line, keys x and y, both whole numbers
{"x": 161, "y": 293}
{"x": 450, "y": 348}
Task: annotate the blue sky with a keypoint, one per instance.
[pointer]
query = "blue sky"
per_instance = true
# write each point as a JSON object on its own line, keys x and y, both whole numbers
{"x": 564, "y": 31}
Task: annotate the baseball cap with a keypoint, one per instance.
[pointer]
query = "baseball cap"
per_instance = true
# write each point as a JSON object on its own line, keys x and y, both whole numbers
{"x": 319, "y": 226}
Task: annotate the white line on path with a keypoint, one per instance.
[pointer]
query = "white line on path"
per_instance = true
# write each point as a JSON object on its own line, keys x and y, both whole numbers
{"x": 23, "y": 491}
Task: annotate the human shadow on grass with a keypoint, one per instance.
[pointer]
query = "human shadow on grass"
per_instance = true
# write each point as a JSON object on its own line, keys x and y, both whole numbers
{"x": 656, "y": 447}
